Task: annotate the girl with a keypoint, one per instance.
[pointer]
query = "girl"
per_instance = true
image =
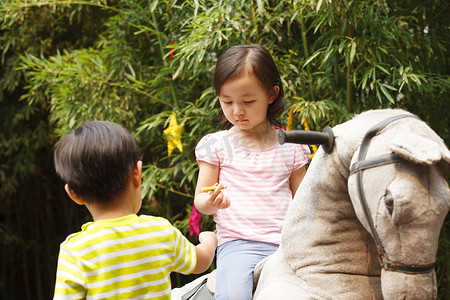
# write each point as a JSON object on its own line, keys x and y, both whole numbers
{"x": 260, "y": 175}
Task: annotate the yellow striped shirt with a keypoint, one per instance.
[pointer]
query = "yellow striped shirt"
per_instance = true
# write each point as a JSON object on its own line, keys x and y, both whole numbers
{"x": 124, "y": 258}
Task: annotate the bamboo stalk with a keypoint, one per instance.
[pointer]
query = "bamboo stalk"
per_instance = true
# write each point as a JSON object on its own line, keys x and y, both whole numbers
{"x": 161, "y": 49}
{"x": 25, "y": 257}
{"x": 306, "y": 52}
{"x": 7, "y": 265}
{"x": 350, "y": 94}
{"x": 349, "y": 97}
{"x": 35, "y": 253}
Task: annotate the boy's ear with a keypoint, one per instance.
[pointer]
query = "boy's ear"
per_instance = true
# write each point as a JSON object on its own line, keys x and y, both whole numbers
{"x": 136, "y": 174}
{"x": 73, "y": 196}
{"x": 273, "y": 94}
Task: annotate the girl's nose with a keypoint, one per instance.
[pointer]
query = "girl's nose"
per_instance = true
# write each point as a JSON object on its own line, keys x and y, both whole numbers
{"x": 238, "y": 110}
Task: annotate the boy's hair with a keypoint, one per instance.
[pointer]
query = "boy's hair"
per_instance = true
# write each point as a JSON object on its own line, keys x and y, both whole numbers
{"x": 96, "y": 160}
{"x": 235, "y": 60}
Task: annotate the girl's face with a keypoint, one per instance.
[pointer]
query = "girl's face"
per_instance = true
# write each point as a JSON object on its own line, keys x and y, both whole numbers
{"x": 244, "y": 102}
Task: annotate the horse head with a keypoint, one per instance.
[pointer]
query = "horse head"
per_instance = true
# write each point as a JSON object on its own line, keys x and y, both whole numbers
{"x": 401, "y": 198}
{"x": 391, "y": 162}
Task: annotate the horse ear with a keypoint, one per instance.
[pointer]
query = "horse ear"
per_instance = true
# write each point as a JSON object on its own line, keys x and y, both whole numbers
{"x": 419, "y": 149}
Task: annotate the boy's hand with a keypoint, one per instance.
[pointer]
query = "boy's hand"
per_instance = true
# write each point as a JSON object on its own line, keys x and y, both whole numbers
{"x": 217, "y": 199}
{"x": 208, "y": 236}
{"x": 205, "y": 251}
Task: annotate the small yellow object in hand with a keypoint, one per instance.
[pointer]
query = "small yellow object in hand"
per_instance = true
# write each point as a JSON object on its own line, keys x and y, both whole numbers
{"x": 212, "y": 188}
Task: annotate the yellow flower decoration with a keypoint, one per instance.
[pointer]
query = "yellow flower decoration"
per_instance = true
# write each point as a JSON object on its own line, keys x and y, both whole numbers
{"x": 290, "y": 118}
{"x": 305, "y": 124}
{"x": 173, "y": 134}
{"x": 290, "y": 121}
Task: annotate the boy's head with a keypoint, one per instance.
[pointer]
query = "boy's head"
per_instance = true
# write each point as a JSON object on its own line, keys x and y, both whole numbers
{"x": 96, "y": 160}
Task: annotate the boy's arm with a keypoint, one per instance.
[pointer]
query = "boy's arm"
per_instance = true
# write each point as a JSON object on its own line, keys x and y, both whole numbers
{"x": 205, "y": 251}
{"x": 69, "y": 283}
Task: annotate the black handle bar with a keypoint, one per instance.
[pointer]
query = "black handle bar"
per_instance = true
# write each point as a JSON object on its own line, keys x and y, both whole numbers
{"x": 324, "y": 138}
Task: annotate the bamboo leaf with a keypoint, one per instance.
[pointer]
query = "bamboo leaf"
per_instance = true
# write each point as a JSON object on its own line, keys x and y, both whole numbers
{"x": 260, "y": 7}
{"x": 382, "y": 49}
{"x": 311, "y": 58}
{"x": 364, "y": 80}
{"x": 383, "y": 69}
{"x": 352, "y": 51}
{"x": 341, "y": 46}
{"x": 319, "y": 4}
{"x": 386, "y": 93}
{"x": 389, "y": 86}
{"x": 178, "y": 71}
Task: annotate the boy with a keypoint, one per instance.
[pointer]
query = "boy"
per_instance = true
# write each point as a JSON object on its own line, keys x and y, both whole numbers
{"x": 119, "y": 255}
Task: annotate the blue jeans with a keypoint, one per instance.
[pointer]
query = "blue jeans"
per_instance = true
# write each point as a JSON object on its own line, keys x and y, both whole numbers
{"x": 235, "y": 263}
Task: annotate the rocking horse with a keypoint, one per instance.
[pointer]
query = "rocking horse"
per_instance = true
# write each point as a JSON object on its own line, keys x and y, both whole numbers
{"x": 365, "y": 221}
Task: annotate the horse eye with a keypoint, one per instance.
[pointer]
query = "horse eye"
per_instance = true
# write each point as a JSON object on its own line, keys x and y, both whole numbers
{"x": 389, "y": 201}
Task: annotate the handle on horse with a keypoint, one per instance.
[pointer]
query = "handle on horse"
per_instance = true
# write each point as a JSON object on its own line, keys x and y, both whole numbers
{"x": 324, "y": 138}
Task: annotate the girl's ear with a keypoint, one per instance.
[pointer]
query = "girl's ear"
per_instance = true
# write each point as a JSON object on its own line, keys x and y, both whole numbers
{"x": 273, "y": 94}
{"x": 73, "y": 196}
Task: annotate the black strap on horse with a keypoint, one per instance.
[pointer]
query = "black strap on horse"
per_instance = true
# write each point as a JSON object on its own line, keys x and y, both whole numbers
{"x": 363, "y": 164}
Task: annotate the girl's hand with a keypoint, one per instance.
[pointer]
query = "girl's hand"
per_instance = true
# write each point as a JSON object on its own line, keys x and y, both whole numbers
{"x": 217, "y": 199}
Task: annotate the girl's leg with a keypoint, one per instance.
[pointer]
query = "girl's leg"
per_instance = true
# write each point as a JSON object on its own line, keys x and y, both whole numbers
{"x": 235, "y": 263}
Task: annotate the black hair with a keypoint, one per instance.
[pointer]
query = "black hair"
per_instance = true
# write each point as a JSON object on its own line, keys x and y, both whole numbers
{"x": 235, "y": 60}
{"x": 96, "y": 160}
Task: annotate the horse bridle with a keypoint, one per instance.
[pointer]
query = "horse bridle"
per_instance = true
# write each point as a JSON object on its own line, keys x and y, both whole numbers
{"x": 363, "y": 164}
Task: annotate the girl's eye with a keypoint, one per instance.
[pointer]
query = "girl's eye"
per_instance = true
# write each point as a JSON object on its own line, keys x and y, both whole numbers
{"x": 248, "y": 102}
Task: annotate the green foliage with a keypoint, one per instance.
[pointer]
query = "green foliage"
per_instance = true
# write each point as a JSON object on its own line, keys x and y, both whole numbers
{"x": 370, "y": 54}
{"x": 35, "y": 215}
{"x": 65, "y": 62}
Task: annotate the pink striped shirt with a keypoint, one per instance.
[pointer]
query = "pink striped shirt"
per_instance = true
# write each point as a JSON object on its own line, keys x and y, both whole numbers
{"x": 257, "y": 184}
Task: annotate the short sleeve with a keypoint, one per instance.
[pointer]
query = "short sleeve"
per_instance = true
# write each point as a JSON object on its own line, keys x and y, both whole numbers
{"x": 301, "y": 154}
{"x": 69, "y": 282}
{"x": 207, "y": 150}
{"x": 185, "y": 254}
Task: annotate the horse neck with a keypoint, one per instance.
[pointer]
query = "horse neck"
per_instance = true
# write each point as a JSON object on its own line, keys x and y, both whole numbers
{"x": 322, "y": 232}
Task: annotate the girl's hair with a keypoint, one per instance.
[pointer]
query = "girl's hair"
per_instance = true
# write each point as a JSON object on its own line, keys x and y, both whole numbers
{"x": 96, "y": 160}
{"x": 235, "y": 60}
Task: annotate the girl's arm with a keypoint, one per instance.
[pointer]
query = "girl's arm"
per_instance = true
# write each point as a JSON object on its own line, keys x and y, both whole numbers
{"x": 296, "y": 178}
{"x": 208, "y": 203}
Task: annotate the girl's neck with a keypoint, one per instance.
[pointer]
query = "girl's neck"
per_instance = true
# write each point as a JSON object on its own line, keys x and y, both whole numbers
{"x": 256, "y": 139}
